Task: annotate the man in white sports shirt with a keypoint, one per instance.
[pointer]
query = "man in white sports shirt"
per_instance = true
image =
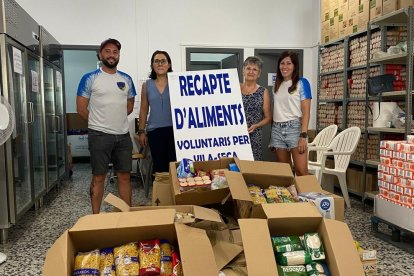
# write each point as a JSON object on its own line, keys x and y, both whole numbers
{"x": 105, "y": 98}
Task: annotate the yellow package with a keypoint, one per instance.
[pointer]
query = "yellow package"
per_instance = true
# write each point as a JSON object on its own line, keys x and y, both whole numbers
{"x": 107, "y": 262}
{"x": 256, "y": 194}
{"x": 126, "y": 259}
{"x": 87, "y": 263}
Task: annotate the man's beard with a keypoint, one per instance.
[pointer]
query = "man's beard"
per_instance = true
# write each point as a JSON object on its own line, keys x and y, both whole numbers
{"x": 110, "y": 65}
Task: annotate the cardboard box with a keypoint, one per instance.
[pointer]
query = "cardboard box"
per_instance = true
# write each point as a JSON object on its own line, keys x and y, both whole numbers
{"x": 304, "y": 184}
{"x": 333, "y": 8}
{"x": 343, "y": 18}
{"x": 217, "y": 196}
{"x": 363, "y": 14}
{"x": 352, "y": 25}
{"x": 79, "y": 145}
{"x": 325, "y": 32}
{"x": 375, "y": 7}
{"x": 296, "y": 219}
{"x": 333, "y": 28}
{"x": 324, "y": 10}
{"x": 353, "y": 8}
{"x": 113, "y": 229}
{"x": 389, "y": 6}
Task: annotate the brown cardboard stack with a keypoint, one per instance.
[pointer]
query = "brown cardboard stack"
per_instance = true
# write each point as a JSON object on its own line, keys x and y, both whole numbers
{"x": 343, "y": 18}
{"x": 393, "y": 5}
{"x": 325, "y": 21}
{"x": 375, "y": 8}
{"x": 333, "y": 20}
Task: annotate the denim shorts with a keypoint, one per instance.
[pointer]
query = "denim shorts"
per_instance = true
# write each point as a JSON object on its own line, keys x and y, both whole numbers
{"x": 285, "y": 135}
{"x": 109, "y": 148}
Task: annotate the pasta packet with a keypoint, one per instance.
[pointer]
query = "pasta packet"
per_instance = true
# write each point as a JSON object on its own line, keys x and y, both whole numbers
{"x": 284, "y": 195}
{"x": 314, "y": 246}
{"x": 87, "y": 263}
{"x": 126, "y": 259}
{"x": 256, "y": 194}
{"x": 107, "y": 262}
{"x": 287, "y": 244}
{"x": 166, "y": 259}
{"x": 177, "y": 268}
{"x": 294, "y": 270}
{"x": 149, "y": 258}
{"x": 293, "y": 258}
{"x": 185, "y": 168}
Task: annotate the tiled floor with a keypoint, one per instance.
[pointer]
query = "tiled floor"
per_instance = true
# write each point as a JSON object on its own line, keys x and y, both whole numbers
{"x": 37, "y": 230}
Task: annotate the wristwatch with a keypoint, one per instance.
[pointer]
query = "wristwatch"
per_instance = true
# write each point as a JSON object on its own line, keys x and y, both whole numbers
{"x": 141, "y": 131}
{"x": 303, "y": 135}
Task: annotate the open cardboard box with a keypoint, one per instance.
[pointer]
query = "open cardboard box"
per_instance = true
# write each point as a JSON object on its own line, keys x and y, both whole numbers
{"x": 207, "y": 219}
{"x": 280, "y": 177}
{"x": 287, "y": 219}
{"x": 114, "y": 229}
{"x": 214, "y": 196}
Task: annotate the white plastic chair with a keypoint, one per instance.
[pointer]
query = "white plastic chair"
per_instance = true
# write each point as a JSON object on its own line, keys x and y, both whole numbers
{"x": 321, "y": 143}
{"x": 341, "y": 148}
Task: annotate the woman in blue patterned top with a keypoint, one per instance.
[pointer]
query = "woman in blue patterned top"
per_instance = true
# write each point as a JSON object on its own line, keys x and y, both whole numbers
{"x": 256, "y": 102}
{"x": 291, "y": 113}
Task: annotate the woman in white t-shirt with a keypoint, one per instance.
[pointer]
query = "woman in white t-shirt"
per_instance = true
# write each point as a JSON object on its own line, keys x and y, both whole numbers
{"x": 291, "y": 113}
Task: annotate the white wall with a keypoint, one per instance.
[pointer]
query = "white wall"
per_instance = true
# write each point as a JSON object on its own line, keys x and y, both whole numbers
{"x": 143, "y": 26}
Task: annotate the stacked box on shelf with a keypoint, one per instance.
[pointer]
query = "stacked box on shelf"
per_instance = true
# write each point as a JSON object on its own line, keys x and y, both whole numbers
{"x": 343, "y": 18}
{"x": 329, "y": 114}
{"x": 357, "y": 82}
{"x": 333, "y": 20}
{"x": 331, "y": 87}
{"x": 399, "y": 72}
{"x": 358, "y": 48}
{"x": 332, "y": 58}
{"x": 396, "y": 35}
{"x": 393, "y": 5}
{"x": 325, "y": 21}
{"x": 356, "y": 115}
{"x": 358, "y": 155}
{"x": 372, "y": 147}
{"x": 396, "y": 171}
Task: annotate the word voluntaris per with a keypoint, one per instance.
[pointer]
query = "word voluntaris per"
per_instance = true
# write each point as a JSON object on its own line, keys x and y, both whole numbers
{"x": 198, "y": 85}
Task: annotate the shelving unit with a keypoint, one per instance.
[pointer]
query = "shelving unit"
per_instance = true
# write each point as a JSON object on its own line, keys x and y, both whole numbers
{"x": 344, "y": 110}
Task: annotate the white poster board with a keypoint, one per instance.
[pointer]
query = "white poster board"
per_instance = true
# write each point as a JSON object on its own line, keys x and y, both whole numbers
{"x": 17, "y": 61}
{"x": 208, "y": 115}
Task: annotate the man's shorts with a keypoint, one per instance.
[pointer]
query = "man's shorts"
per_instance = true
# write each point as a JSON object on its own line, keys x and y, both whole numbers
{"x": 109, "y": 148}
{"x": 285, "y": 135}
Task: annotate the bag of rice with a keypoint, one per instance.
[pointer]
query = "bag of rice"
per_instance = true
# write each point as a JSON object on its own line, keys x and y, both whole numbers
{"x": 287, "y": 244}
{"x": 293, "y": 258}
{"x": 314, "y": 246}
{"x": 294, "y": 270}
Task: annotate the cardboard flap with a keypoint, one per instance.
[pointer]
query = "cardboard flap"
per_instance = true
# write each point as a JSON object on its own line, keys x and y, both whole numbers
{"x": 258, "y": 249}
{"x": 237, "y": 186}
{"x": 291, "y": 210}
{"x": 124, "y": 219}
{"x": 117, "y": 202}
{"x": 266, "y": 168}
{"x": 56, "y": 260}
{"x": 307, "y": 184}
{"x": 347, "y": 258}
{"x": 224, "y": 252}
{"x": 206, "y": 214}
{"x": 196, "y": 251}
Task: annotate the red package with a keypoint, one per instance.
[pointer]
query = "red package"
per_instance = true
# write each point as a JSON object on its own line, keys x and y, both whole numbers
{"x": 149, "y": 258}
{"x": 177, "y": 268}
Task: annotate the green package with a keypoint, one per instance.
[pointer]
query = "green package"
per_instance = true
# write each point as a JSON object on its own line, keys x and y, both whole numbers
{"x": 314, "y": 246}
{"x": 293, "y": 258}
{"x": 294, "y": 270}
{"x": 287, "y": 244}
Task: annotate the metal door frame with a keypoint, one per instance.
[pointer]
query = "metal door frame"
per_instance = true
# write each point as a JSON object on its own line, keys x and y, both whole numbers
{"x": 280, "y": 51}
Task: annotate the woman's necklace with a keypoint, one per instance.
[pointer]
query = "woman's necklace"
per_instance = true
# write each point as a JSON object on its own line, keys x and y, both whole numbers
{"x": 249, "y": 91}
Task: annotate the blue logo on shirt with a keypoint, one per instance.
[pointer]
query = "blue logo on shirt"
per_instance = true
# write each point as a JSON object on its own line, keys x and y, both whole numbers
{"x": 121, "y": 85}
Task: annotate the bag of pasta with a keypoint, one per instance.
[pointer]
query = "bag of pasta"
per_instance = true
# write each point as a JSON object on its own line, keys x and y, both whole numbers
{"x": 256, "y": 194}
{"x": 126, "y": 259}
{"x": 284, "y": 196}
{"x": 150, "y": 258}
{"x": 87, "y": 263}
{"x": 166, "y": 258}
{"x": 107, "y": 262}
{"x": 177, "y": 267}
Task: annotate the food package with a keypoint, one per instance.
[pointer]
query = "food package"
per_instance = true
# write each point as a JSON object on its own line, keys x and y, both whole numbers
{"x": 293, "y": 258}
{"x": 126, "y": 259}
{"x": 317, "y": 269}
{"x": 87, "y": 263}
{"x": 324, "y": 203}
{"x": 107, "y": 262}
{"x": 149, "y": 258}
{"x": 219, "y": 182}
{"x": 166, "y": 268}
{"x": 276, "y": 194}
{"x": 185, "y": 168}
{"x": 294, "y": 270}
{"x": 287, "y": 244}
{"x": 256, "y": 194}
{"x": 314, "y": 246}
{"x": 177, "y": 267}
{"x": 185, "y": 218}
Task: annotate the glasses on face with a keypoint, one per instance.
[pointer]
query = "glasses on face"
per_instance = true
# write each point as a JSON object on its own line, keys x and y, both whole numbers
{"x": 160, "y": 61}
